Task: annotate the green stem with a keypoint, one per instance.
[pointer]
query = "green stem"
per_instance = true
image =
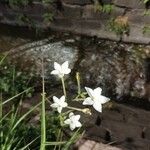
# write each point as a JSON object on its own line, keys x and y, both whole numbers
{"x": 1, "y": 115}
{"x": 61, "y": 134}
{"x": 73, "y": 108}
{"x": 63, "y": 85}
{"x": 57, "y": 140}
{"x": 43, "y": 121}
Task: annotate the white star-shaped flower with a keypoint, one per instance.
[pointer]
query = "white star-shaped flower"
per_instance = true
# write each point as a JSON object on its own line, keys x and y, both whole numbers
{"x": 73, "y": 121}
{"x": 59, "y": 103}
{"x": 61, "y": 70}
{"x": 95, "y": 99}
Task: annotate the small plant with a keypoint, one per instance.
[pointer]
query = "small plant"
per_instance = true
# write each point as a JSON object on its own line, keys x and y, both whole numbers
{"x": 147, "y": 4}
{"x": 12, "y": 80}
{"x": 146, "y": 29}
{"x": 106, "y": 8}
{"x": 146, "y": 1}
{"x": 47, "y": 1}
{"x": 48, "y": 17}
{"x": 24, "y": 19}
{"x": 119, "y": 25}
{"x": 14, "y": 133}
{"x": 146, "y": 12}
{"x": 18, "y": 2}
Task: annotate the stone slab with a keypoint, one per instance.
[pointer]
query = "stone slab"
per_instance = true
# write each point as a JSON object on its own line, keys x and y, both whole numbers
{"x": 136, "y": 35}
{"x": 92, "y": 145}
{"x": 137, "y": 16}
{"x": 78, "y": 2}
{"x": 36, "y": 8}
{"x": 85, "y": 27}
{"x": 90, "y": 13}
{"x": 137, "y": 4}
{"x": 70, "y": 11}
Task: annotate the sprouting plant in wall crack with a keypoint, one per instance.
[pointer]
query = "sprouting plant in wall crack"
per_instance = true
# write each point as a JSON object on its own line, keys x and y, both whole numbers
{"x": 119, "y": 25}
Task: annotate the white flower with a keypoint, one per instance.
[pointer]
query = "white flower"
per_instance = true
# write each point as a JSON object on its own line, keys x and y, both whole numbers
{"x": 61, "y": 70}
{"x": 73, "y": 121}
{"x": 59, "y": 103}
{"x": 95, "y": 99}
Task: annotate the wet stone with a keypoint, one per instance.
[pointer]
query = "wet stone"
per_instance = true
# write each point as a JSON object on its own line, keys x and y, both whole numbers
{"x": 118, "y": 69}
{"x": 29, "y": 56}
{"x": 138, "y": 4}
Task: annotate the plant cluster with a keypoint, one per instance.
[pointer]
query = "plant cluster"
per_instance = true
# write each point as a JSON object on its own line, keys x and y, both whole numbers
{"x": 17, "y": 133}
{"x": 119, "y": 25}
{"x": 13, "y": 80}
{"x": 66, "y": 116}
{"x": 105, "y": 8}
{"x": 12, "y": 3}
{"x": 24, "y": 18}
{"x": 22, "y": 3}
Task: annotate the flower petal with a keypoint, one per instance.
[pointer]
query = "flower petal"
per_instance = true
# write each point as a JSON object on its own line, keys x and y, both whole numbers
{"x": 76, "y": 117}
{"x": 59, "y": 109}
{"x": 71, "y": 114}
{"x": 65, "y": 65}
{"x": 103, "y": 99}
{"x": 67, "y": 71}
{"x": 97, "y": 92}
{"x": 90, "y": 92}
{"x": 57, "y": 66}
{"x": 72, "y": 126}
{"x": 56, "y": 72}
{"x": 54, "y": 105}
{"x": 62, "y": 98}
{"x": 67, "y": 121}
{"x": 98, "y": 107}
{"x": 88, "y": 101}
{"x": 64, "y": 104}
{"x": 56, "y": 100}
{"x": 78, "y": 124}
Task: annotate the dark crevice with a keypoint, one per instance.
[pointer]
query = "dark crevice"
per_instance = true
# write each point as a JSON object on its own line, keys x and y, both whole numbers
{"x": 108, "y": 136}
{"x": 147, "y": 5}
{"x": 143, "y": 134}
{"x": 129, "y": 140}
{"x": 147, "y": 70}
{"x": 59, "y": 6}
{"x": 98, "y": 121}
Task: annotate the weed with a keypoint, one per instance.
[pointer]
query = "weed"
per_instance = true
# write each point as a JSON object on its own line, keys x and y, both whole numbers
{"x": 13, "y": 80}
{"x": 146, "y": 29}
{"x": 119, "y": 25}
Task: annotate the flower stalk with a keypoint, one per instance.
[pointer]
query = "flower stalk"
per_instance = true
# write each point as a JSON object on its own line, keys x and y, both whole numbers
{"x": 78, "y": 83}
{"x": 63, "y": 86}
{"x": 1, "y": 115}
{"x": 43, "y": 120}
{"x": 84, "y": 110}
